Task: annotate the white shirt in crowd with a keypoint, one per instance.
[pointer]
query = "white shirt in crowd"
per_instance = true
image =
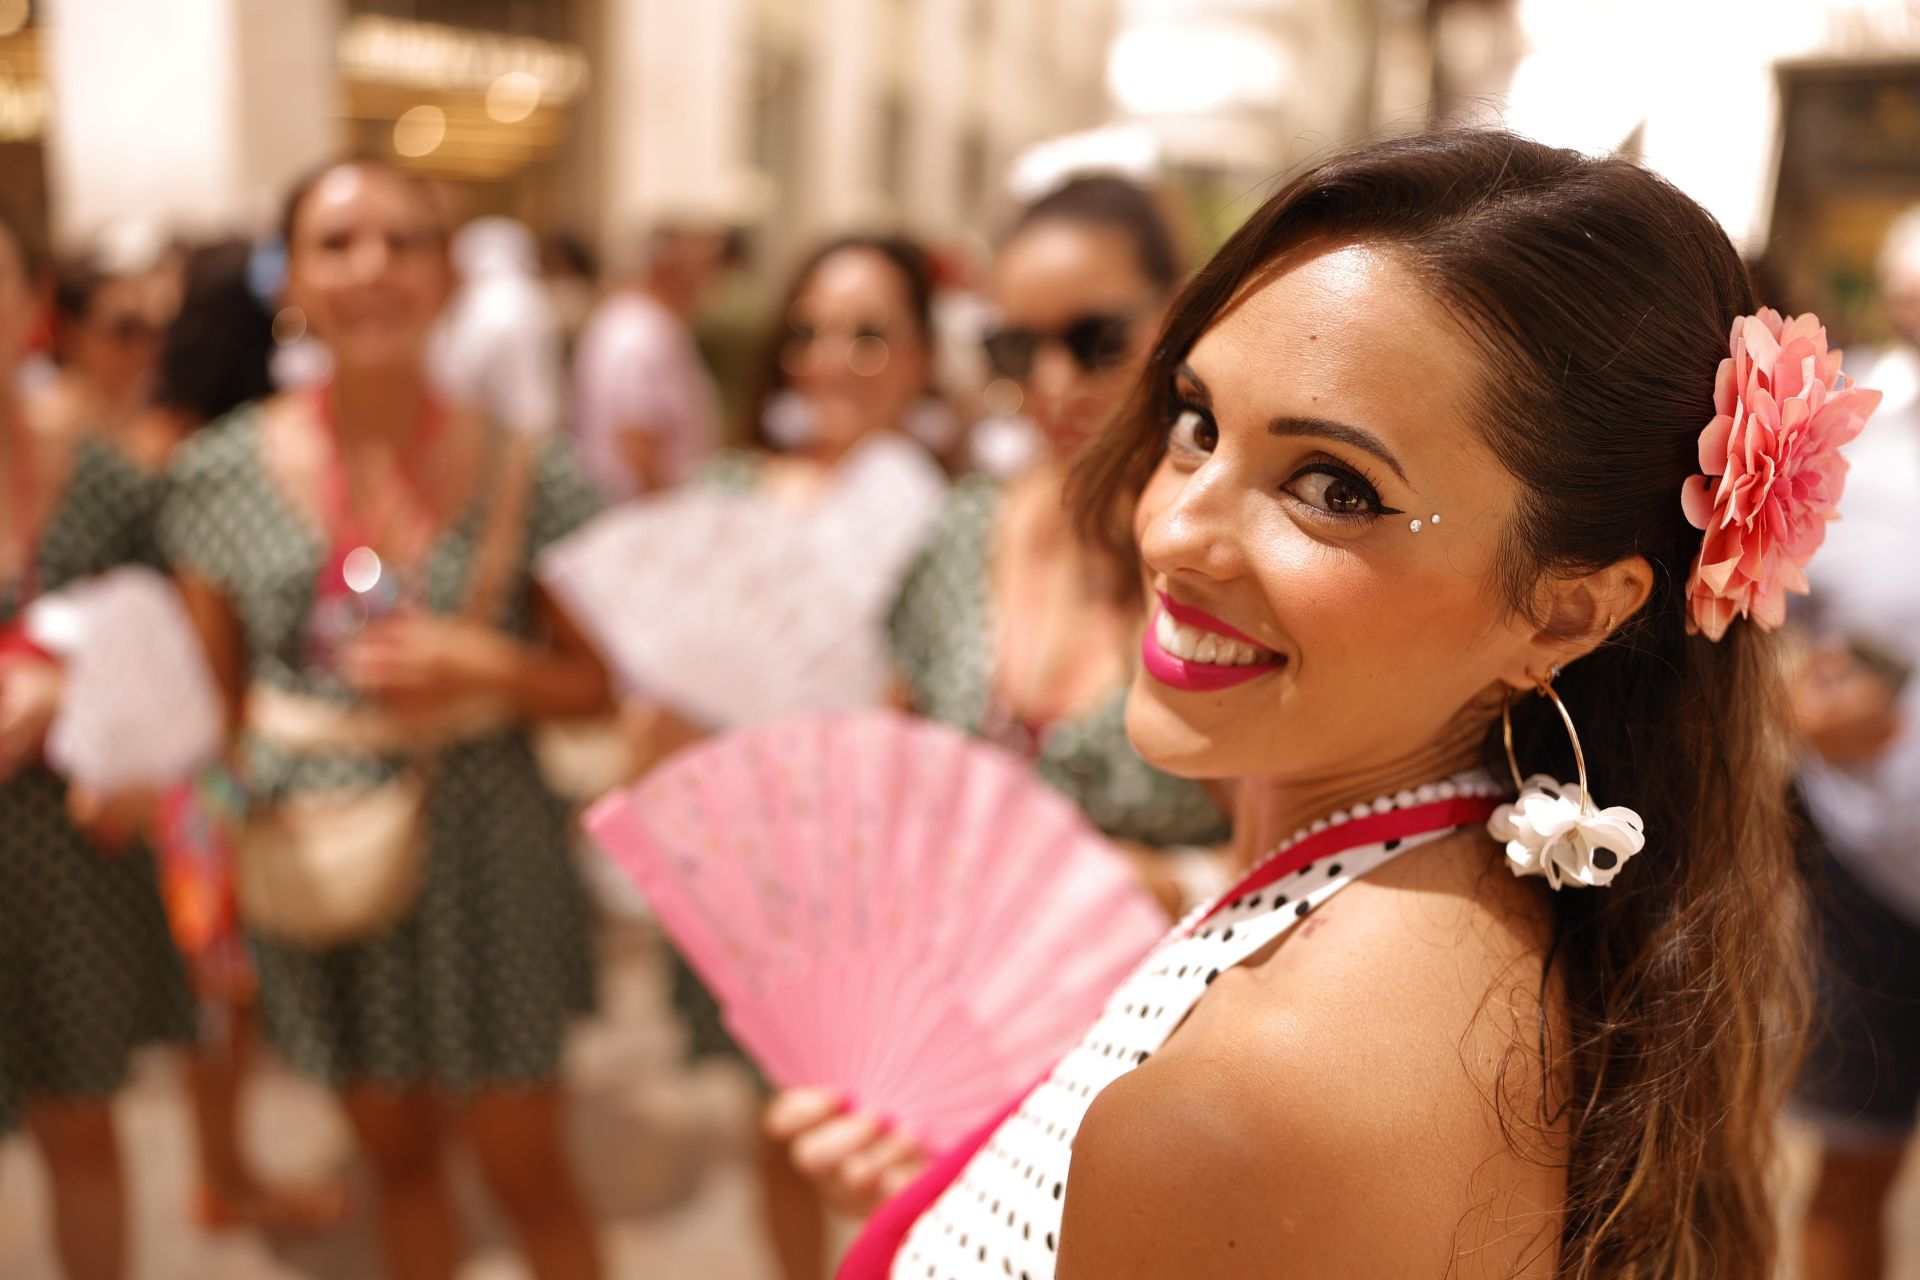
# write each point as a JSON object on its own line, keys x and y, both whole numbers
{"x": 500, "y": 348}
{"x": 637, "y": 369}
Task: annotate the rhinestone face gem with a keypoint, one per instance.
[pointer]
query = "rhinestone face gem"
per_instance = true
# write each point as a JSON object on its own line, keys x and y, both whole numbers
{"x": 1435, "y": 519}
{"x": 1414, "y": 525}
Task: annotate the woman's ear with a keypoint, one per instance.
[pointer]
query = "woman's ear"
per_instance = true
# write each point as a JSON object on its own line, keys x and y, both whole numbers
{"x": 1578, "y": 615}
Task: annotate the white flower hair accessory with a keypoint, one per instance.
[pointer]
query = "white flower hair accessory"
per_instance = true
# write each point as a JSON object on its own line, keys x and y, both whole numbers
{"x": 1553, "y": 829}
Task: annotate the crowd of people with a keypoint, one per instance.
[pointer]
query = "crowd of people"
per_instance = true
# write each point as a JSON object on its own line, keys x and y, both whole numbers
{"x": 1289, "y": 570}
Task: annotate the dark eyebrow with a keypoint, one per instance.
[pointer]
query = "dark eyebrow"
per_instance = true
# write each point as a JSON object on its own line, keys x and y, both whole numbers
{"x": 1199, "y": 394}
{"x": 1317, "y": 428}
{"x": 1327, "y": 429}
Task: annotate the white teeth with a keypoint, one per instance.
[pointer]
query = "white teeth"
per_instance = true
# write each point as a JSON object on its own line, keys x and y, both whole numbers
{"x": 1163, "y": 629}
{"x": 1191, "y": 644}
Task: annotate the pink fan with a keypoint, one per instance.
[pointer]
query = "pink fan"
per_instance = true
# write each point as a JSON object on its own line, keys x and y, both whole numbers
{"x": 884, "y": 906}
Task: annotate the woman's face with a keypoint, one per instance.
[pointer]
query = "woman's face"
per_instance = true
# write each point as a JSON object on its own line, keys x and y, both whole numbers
{"x": 1325, "y": 413}
{"x": 367, "y": 263}
{"x": 116, "y": 344}
{"x": 1059, "y": 285}
{"x": 854, "y": 349}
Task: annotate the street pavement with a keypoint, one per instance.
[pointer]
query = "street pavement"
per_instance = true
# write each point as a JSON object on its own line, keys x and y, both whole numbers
{"x": 665, "y": 1150}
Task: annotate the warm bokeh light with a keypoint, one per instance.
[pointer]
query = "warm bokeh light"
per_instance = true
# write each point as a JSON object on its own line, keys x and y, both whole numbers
{"x": 1002, "y": 397}
{"x": 419, "y": 131}
{"x": 513, "y": 97}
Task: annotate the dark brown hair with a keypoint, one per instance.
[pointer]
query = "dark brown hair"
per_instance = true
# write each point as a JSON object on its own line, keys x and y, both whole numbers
{"x": 219, "y": 346}
{"x": 1601, "y": 298}
{"x": 907, "y": 259}
{"x": 303, "y": 186}
{"x": 1118, "y": 204}
{"x": 14, "y": 232}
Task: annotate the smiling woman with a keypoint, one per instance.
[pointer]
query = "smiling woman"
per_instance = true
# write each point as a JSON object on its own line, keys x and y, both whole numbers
{"x": 1526, "y": 341}
{"x": 1379, "y": 1054}
{"x": 356, "y": 558}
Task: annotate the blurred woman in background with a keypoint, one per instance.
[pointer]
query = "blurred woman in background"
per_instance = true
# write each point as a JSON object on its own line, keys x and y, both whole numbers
{"x": 1008, "y": 626}
{"x": 355, "y": 557}
{"x": 850, "y": 360}
{"x": 110, "y": 318}
{"x": 87, "y": 971}
{"x": 848, "y": 365}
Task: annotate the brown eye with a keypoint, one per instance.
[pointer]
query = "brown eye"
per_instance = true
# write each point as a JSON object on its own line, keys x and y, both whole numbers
{"x": 1194, "y": 432}
{"x": 1335, "y": 493}
{"x": 1343, "y": 497}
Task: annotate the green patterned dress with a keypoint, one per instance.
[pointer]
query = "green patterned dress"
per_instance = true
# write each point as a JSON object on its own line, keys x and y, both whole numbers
{"x": 476, "y": 987}
{"x": 88, "y": 971}
{"x": 943, "y": 632}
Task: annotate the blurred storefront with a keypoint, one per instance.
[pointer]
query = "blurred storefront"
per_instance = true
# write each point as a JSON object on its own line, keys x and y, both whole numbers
{"x": 23, "y": 116}
{"x": 1796, "y": 123}
{"x": 479, "y": 96}
{"x": 1849, "y": 165}
{"x": 594, "y": 115}
{"x": 793, "y": 116}
{"x": 801, "y": 115}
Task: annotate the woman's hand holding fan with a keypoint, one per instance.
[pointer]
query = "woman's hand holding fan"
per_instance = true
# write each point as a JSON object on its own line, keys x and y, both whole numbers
{"x": 856, "y": 1162}
{"x": 884, "y": 907}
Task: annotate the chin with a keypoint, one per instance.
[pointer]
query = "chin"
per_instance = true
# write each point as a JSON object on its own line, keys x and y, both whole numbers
{"x": 1169, "y": 740}
{"x": 403, "y": 351}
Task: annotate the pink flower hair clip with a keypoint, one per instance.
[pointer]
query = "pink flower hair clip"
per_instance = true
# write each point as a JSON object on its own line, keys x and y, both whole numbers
{"x": 1773, "y": 470}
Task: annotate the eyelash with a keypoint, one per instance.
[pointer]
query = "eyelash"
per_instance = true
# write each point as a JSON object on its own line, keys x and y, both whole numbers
{"x": 1368, "y": 488}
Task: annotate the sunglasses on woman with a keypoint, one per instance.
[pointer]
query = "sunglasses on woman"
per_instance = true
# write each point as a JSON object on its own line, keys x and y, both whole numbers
{"x": 1096, "y": 341}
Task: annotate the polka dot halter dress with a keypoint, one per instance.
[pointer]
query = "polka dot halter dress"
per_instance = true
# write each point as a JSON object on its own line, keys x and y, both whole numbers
{"x": 1001, "y": 1216}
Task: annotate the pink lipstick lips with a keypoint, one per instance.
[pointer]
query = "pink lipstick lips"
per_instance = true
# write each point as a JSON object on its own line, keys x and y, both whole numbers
{"x": 1188, "y": 616}
{"x": 1191, "y": 673}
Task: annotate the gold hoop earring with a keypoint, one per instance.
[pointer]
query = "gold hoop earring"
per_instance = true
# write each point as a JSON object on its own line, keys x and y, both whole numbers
{"x": 1554, "y": 830}
{"x": 1544, "y": 687}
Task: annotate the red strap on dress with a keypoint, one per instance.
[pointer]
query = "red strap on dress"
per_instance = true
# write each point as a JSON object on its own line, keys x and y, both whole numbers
{"x": 1395, "y": 824}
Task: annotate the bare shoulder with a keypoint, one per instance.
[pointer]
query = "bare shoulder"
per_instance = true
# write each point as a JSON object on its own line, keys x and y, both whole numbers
{"x": 1365, "y": 1100}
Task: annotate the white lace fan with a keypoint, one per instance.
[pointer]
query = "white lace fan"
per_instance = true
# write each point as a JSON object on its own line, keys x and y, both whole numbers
{"x": 884, "y": 906}
{"x": 734, "y": 609}
{"x": 140, "y": 706}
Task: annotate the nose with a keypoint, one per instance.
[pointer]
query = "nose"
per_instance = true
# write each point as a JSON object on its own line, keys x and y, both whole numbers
{"x": 827, "y": 356}
{"x": 1190, "y": 525}
{"x": 370, "y": 258}
{"x": 1054, "y": 380}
